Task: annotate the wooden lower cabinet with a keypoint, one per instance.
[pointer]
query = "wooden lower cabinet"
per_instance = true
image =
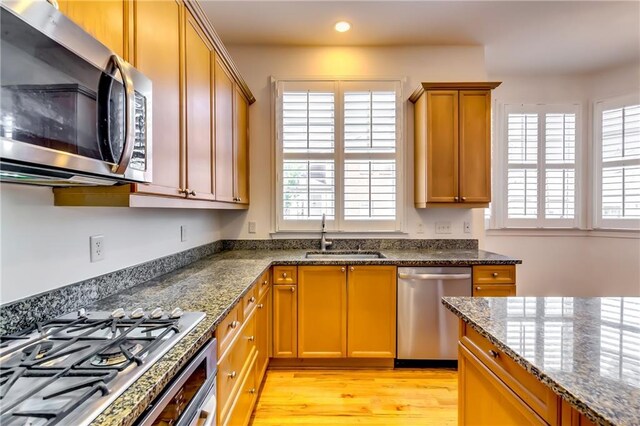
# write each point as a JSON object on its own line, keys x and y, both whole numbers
{"x": 483, "y": 399}
{"x": 285, "y": 321}
{"x": 240, "y": 412}
{"x": 494, "y": 280}
{"x": 371, "y": 319}
{"x": 263, "y": 334}
{"x": 322, "y": 312}
{"x": 494, "y": 290}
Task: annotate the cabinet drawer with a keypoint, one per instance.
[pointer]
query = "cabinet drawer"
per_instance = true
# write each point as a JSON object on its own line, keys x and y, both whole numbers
{"x": 242, "y": 405}
{"x": 536, "y": 395}
{"x": 233, "y": 366}
{"x": 494, "y": 290}
{"x": 250, "y": 300}
{"x": 494, "y": 274}
{"x": 285, "y": 274}
{"x": 264, "y": 283}
{"x": 228, "y": 328}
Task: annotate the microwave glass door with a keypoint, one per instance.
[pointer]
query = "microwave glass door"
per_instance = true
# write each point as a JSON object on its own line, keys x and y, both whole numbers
{"x": 54, "y": 99}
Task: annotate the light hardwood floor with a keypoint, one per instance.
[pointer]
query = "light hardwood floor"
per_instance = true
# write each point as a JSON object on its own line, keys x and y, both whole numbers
{"x": 363, "y": 397}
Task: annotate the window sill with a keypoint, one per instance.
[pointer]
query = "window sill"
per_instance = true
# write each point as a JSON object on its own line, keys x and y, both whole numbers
{"x": 563, "y": 232}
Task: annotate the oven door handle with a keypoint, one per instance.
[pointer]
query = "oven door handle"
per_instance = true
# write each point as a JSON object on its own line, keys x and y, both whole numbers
{"x": 130, "y": 114}
{"x": 208, "y": 409}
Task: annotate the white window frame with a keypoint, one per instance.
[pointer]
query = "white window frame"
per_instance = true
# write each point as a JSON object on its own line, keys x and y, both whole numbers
{"x": 598, "y": 107}
{"x": 499, "y": 215}
{"x": 339, "y": 224}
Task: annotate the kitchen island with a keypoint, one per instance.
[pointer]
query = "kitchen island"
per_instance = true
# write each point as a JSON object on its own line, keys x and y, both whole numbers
{"x": 549, "y": 360}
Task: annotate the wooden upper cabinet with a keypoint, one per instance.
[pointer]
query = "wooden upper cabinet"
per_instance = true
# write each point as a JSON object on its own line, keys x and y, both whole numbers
{"x": 199, "y": 156}
{"x": 371, "y": 320}
{"x": 106, "y": 20}
{"x": 285, "y": 321}
{"x": 322, "y": 312}
{"x": 223, "y": 105}
{"x": 452, "y": 155}
{"x": 241, "y": 147}
{"x": 157, "y": 55}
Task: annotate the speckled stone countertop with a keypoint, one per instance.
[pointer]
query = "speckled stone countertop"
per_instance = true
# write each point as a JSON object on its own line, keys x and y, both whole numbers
{"x": 587, "y": 350}
{"x": 214, "y": 285}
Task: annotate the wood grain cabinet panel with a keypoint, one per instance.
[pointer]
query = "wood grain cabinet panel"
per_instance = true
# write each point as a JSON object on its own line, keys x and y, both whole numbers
{"x": 263, "y": 334}
{"x": 494, "y": 274}
{"x": 241, "y": 147}
{"x": 452, "y": 144}
{"x": 106, "y": 20}
{"x": 285, "y": 274}
{"x": 494, "y": 290}
{"x": 322, "y": 312}
{"x": 371, "y": 319}
{"x": 223, "y": 105}
{"x": 199, "y": 147}
{"x": 285, "y": 321}
{"x": 157, "y": 55}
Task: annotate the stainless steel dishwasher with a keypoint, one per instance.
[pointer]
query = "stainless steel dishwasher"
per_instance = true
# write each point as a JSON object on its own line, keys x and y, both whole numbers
{"x": 426, "y": 330}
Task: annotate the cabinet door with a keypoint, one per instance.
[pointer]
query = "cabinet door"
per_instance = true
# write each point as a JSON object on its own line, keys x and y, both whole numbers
{"x": 158, "y": 57}
{"x": 285, "y": 321}
{"x": 475, "y": 146}
{"x": 199, "y": 147}
{"x": 322, "y": 308}
{"x": 241, "y": 147}
{"x": 483, "y": 399}
{"x": 494, "y": 290}
{"x": 442, "y": 146}
{"x": 263, "y": 334}
{"x": 106, "y": 20}
{"x": 371, "y": 310}
{"x": 223, "y": 105}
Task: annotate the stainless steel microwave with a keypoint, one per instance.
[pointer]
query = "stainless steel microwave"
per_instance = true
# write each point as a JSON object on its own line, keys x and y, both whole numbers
{"x": 72, "y": 112}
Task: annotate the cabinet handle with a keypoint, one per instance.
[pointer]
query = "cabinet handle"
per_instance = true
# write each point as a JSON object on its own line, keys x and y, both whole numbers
{"x": 232, "y": 375}
{"x": 260, "y": 306}
{"x": 351, "y": 269}
{"x": 455, "y": 199}
{"x": 493, "y": 353}
{"x": 478, "y": 288}
{"x": 252, "y": 390}
{"x": 182, "y": 191}
{"x": 343, "y": 269}
{"x": 265, "y": 282}
{"x": 251, "y": 338}
{"x": 495, "y": 275}
{"x": 284, "y": 275}
{"x": 192, "y": 193}
{"x": 239, "y": 199}
{"x": 293, "y": 289}
{"x": 252, "y": 299}
{"x": 464, "y": 198}
{"x": 234, "y": 324}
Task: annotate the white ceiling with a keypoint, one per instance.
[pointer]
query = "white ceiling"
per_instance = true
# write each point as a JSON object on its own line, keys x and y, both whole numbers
{"x": 520, "y": 37}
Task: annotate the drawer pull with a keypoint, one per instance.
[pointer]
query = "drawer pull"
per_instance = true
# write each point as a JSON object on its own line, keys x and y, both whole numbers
{"x": 293, "y": 289}
{"x": 252, "y": 390}
{"x": 234, "y": 324}
{"x": 260, "y": 306}
{"x": 284, "y": 275}
{"x": 265, "y": 282}
{"x": 495, "y": 275}
{"x": 343, "y": 269}
{"x": 252, "y": 299}
{"x": 251, "y": 338}
{"x": 494, "y": 354}
{"x": 478, "y": 288}
{"x": 232, "y": 375}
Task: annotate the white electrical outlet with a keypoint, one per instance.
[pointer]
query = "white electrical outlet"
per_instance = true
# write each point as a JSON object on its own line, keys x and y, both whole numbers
{"x": 183, "y": 233}
{"x": 252, "y": 227}
{"x": 420, "y": 228}
{"x": 467, "y": 227}
{"x": 443, "y": 227}
{"x": 96, "y": 243}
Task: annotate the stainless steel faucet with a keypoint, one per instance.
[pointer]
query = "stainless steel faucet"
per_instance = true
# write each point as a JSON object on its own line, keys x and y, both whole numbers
{"x": 324, "y": 243}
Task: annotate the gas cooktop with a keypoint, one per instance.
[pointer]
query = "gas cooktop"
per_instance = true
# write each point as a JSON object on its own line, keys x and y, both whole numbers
{"x": 68, "y": 370}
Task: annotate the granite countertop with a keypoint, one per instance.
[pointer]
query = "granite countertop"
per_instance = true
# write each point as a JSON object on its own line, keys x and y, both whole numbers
{"x": 214, "y": 285}
{"x": 587, "y": 350}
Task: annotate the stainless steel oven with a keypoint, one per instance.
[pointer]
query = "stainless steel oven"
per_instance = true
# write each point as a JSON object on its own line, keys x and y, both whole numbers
{"x": 190, "y": 399}
{"x": 72, "y": 112}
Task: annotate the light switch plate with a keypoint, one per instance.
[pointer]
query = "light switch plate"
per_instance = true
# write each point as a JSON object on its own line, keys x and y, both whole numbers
{"x": 467, "y": 227}
{"x": 443, "y": 227}
{"x": 252, "y": 227}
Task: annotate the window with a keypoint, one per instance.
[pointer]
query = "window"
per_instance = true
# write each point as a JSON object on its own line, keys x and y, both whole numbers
{"x": 539, "y": 151}
{"x": 338, "y": 154}
{"x": 617, "y": 163}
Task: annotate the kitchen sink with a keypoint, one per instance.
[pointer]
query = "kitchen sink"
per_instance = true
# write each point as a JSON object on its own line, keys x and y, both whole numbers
{"x": 344, "y": 254}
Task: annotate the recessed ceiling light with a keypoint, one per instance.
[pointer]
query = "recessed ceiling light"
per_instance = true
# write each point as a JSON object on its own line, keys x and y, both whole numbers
{"x": 342, "y": 26}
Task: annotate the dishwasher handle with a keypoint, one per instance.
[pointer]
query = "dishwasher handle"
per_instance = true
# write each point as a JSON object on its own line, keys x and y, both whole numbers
{"x": 443, "y": 277}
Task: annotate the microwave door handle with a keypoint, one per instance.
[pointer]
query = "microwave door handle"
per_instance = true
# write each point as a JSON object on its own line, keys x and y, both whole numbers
{"x": 208, "y": 410}
{"x": 403, "y": 275}
{"x": 129, "y": 96}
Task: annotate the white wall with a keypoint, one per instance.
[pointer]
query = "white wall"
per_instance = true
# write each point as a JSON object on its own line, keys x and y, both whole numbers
{"x": 258, "y": 63}
{"x": 45, "y": 247}
{"x": 569, "y": 264}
